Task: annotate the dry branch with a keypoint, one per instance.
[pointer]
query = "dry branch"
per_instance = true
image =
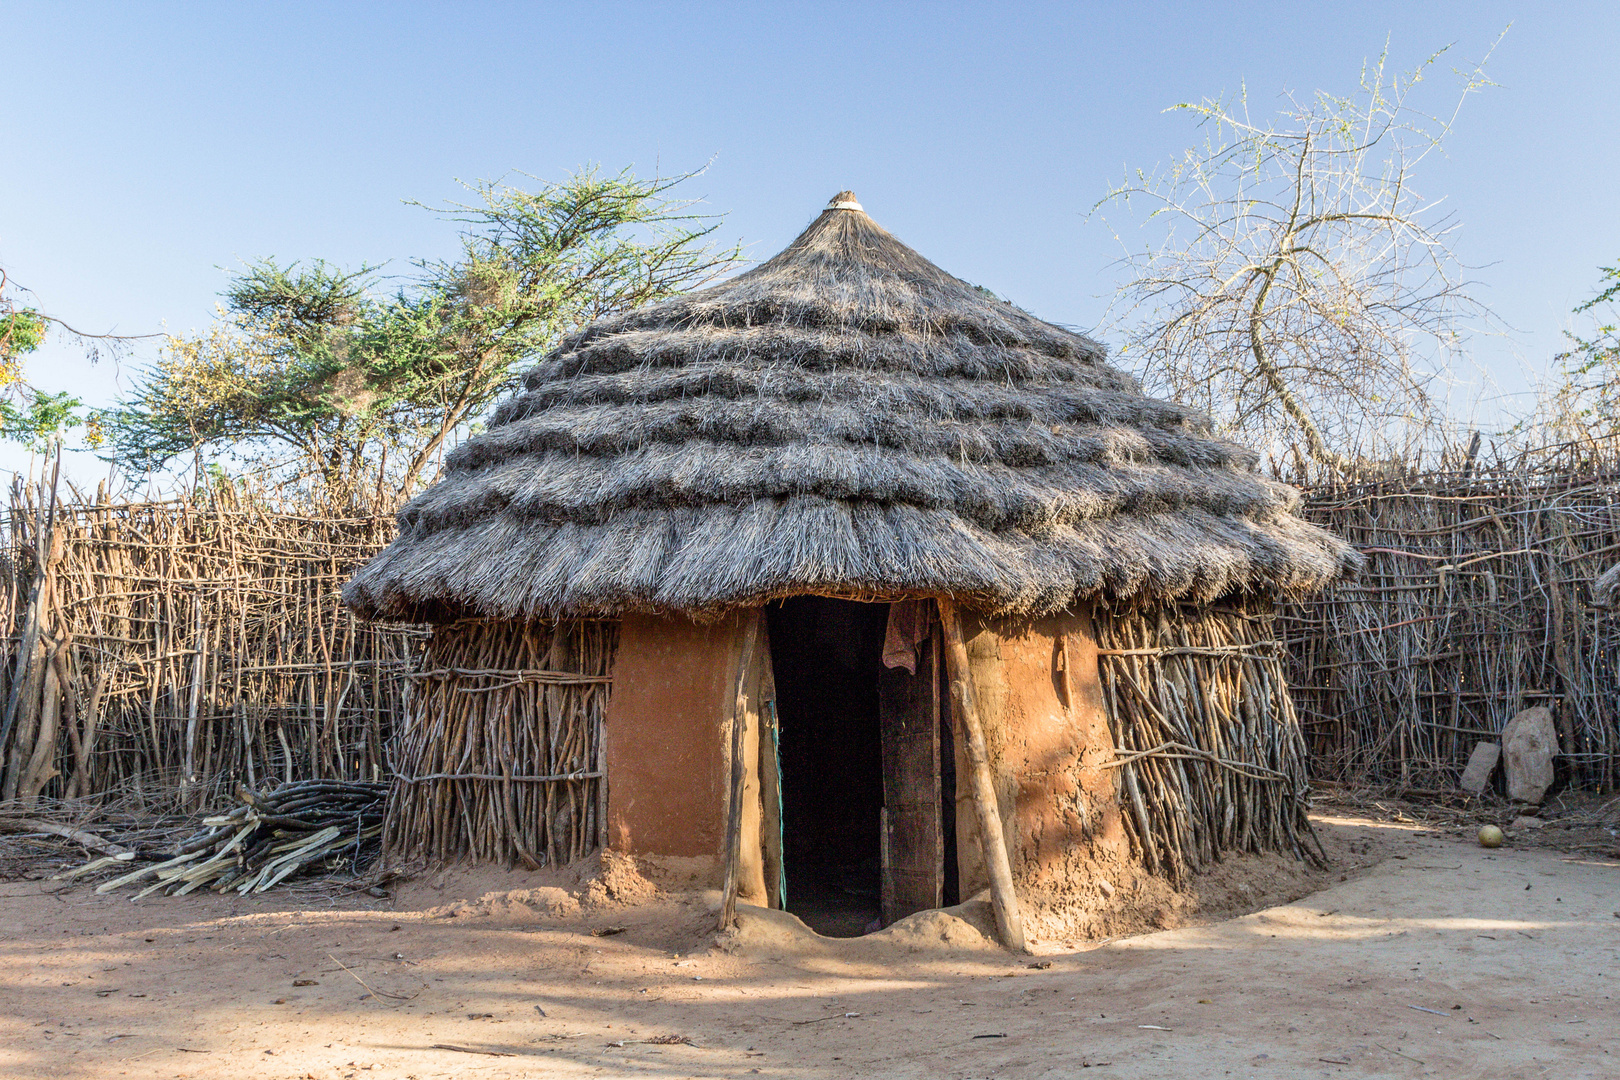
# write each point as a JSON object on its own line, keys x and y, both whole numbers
{"x": 67, "y": 832}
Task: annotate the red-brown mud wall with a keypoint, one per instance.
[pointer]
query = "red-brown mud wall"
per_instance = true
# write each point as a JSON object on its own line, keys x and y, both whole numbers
{"x": 669, "y": 746}
{"x": 1041, "y": 704}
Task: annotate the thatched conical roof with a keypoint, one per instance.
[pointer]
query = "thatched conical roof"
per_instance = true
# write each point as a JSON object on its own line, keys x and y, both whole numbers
{"x": 845, "y": 419}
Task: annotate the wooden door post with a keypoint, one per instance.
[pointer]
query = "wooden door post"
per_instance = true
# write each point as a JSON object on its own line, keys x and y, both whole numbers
{"x": 908, "y": 724}
{"x": 770, "y": 777}
{"x": 739, "y": 767}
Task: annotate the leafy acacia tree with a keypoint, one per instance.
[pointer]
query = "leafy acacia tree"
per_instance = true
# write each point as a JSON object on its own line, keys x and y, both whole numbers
{"x": 313, "y": 371}
{"x": 1583, "y": 404}
{"x": 28, "y": 414}
{"x": 1293, "y": 284}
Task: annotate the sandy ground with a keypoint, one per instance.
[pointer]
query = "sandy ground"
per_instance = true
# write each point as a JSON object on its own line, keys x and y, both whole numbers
{"x": 1431, "y": 957}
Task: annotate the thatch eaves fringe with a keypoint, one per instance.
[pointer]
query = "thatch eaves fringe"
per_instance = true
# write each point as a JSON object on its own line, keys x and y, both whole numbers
{"x": 848, "y": 419}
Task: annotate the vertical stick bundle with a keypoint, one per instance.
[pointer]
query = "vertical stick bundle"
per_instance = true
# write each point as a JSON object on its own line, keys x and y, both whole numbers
{"x": 500, "y": 755}
{"x": 1210, "y": 755}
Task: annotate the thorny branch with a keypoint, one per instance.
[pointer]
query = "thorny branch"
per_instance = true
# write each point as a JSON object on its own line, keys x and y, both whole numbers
{"x": 1292, "y": 284}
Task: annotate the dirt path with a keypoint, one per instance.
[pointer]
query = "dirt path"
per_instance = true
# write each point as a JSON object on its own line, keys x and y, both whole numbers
{"x": 1441, "y": 959}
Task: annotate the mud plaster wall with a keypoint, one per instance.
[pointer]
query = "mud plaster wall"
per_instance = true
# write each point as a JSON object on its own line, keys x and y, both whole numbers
{"x": 669, "y": 747}
{"x": 1047, "y": 743}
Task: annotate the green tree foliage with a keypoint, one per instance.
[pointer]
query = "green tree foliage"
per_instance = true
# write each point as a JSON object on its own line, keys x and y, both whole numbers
{"x": 21, "y": 331}
{"x": 314, "y": 372}
{"x": 1584, "y": 402}
{"x": 27, "y": 414}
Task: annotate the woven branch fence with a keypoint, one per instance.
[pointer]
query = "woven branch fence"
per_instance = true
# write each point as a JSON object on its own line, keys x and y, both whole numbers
{"x": 168, "y": 650}
{"x": 1210, "y": 756}
{"x": 164, "y": 652}
{"x": 501, "y": 756}
{"x": 1476, "y": 603}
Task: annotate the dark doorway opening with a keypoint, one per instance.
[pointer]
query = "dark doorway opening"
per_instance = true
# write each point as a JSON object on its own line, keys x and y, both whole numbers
{"x": 826, "y": 656}
{"x": 951, "y": 891}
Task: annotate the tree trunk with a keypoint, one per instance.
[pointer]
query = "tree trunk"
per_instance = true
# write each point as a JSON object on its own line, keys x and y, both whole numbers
{"x": 1314, "y": 442}
{"x": 42, "y": 762}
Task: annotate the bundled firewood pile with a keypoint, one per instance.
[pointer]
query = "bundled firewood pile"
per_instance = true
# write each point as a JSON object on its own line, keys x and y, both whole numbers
{"x": 325, "y": 825}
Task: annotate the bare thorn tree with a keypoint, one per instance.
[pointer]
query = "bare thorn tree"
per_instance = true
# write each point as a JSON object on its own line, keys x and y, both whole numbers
{"x": 1293, "y": 284}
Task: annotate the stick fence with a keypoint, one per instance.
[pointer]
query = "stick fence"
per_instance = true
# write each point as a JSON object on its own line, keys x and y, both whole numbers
{"x": 168, "y": 650}
{"x": 1476, "y": 603}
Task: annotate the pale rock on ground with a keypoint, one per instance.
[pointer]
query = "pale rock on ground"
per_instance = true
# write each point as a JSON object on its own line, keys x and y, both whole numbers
{"x": 1529, "y": 744}
{"x": 1481, "y": 763}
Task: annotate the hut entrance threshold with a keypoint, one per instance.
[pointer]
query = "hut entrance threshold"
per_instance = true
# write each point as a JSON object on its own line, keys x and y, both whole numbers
{"x": 864, "y": 832}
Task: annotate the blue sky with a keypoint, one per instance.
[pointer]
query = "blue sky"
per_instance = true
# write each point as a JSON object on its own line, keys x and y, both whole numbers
{"x": 148, "y": 146}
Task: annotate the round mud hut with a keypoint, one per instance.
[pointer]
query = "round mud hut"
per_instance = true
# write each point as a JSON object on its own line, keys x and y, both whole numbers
{"x": 852, "y": 589}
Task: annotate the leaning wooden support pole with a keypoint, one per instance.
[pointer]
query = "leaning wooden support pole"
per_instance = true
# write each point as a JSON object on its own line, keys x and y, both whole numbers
{"x": 992, "y": 842}
{"x": 739, "y": 768}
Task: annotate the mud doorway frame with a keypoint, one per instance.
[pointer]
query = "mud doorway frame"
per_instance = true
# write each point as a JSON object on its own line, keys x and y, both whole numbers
{"x": 858, "y": 759}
